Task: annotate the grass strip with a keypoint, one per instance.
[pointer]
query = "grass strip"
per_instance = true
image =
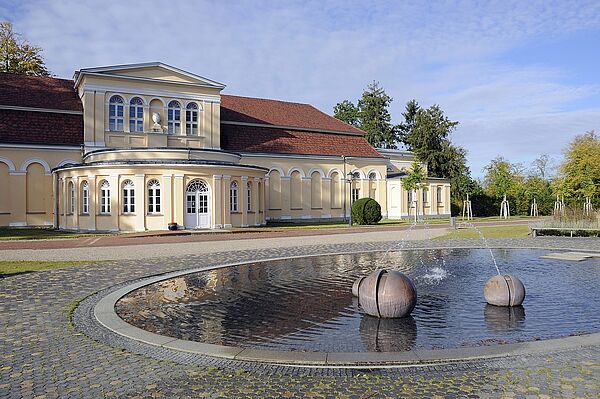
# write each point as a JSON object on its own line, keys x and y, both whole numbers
{"x": 9, "y": 267}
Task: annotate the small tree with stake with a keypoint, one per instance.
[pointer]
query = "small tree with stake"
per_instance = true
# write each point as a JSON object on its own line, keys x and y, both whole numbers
{"x": 413, "y": 181}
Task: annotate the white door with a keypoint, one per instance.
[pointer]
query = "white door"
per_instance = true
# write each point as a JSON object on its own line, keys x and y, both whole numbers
{"x": 197, "y": 201}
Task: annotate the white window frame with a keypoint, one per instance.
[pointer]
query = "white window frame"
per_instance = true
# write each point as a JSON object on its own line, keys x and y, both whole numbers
{"x": 85, "y": 198}
{"x": 136, "y": 122}
{"x": 425, "y": 195}
{"x": 116, "y": 114}
{"x": 154, "y": 198}
{"x": 233, "y": 197}
{"x": 191, "y": 119}
{"x": 128, "y": 192}
{"x": 249, "y": 197}
{"x": 104, "y": 197}
{"x": 174, "y": 117}
{"x": 440, "y": 197}
{"x": 355, "y": 196}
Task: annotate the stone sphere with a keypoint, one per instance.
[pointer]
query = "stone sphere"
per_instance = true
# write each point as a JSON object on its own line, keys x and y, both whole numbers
{"x": 387, "y": 294}
{"x": 505, "y": 290}
{"x": 356, "y": 285}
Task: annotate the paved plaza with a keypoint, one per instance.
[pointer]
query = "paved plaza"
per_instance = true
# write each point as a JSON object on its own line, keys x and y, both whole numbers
{"x": 50, "y": 347}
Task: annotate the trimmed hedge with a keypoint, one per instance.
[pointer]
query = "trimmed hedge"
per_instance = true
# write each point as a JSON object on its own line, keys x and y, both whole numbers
{"x": 366, "y": 211}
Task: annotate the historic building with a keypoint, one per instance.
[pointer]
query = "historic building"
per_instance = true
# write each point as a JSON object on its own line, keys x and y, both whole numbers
{"x": 138, "y": 147}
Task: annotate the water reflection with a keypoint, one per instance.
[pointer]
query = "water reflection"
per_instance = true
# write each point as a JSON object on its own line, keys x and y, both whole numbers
{"x": 504, "y": 318}
{"x": 388, "y": 335}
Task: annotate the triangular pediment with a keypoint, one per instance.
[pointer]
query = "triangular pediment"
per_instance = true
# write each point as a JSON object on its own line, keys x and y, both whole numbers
{"x": 153, "y": 71}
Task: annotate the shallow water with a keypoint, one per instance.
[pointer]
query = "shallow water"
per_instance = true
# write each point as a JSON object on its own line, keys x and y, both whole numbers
{"x": 306, "y": 304}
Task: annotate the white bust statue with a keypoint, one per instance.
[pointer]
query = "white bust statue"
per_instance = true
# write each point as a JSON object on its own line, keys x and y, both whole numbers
{"x": 156, "y": 119}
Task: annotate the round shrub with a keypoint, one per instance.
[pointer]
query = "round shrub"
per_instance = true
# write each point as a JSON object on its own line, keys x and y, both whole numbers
{"x": 366, "y": 211}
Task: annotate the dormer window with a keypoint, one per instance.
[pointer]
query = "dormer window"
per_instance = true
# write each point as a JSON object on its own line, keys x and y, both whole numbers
{"x": 115, "y": 114}
{"x": 191, "y": 119}
{"x": 136, "y": 115}
{"x": 174, "y": 118}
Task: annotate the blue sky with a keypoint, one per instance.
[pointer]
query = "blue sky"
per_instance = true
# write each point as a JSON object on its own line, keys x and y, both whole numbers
{"x": 520, "y": 77}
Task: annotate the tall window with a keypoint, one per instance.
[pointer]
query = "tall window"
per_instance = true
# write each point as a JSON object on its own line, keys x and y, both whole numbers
{"x": 115, "y": 114}
{"x": 104, "y": 197}
{"x": 191, "y": 119}
{"x": 85, "y": 198}
{"x": 154, "y": 205}
{"x": 425, "y": 195}
{"x": 71, "y": 198}
{"x": 249, "y": 196}
{"x": 128, "y": 197}
{"x": 233, "y": 197}
{"x": 136, "y": 115}
{"x": 174, "y": 118}
{"x": 410, "y": 197}
{"x": 355, "y": 194}
{"x": 439, "y": 194}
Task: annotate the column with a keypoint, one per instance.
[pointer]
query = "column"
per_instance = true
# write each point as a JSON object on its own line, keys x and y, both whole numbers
{"x": 285, "y": 198}
{"x": 76, "y": 182}
{"x": 147, "y": 118}
{"x": 65, "y": 201}
{"x": 93, "y": 201}
{"x": 140, "y": 202}
{"x": 243, "y": 201}
{"x": 306, "y": 197}
{"x": 167, "y": 200}
{"x": 326, "y": 197}
{"x": 262, "y": 204}
{"x": 256, "y": 201}
{"x": 178, "y": 203}
{"x": 225, "y": 200}
{"x": 382, "y": 197}
{"x": 364, "y": 188}
{"x": 115, "y": 196}
{"x": 265, "y": 205}
{"x": 217, "y": 202}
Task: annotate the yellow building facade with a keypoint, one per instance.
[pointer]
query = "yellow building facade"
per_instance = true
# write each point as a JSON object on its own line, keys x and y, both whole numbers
{"x": 141, "y": 147}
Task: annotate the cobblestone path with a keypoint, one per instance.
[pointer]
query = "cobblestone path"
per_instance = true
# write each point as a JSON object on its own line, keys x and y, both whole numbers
{"x": 43, "y": 355}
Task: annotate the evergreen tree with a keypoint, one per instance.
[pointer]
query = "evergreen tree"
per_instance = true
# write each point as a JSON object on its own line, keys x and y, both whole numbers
{"x": 375, "y": 118}
{"x": 410, "y": 115}
{"x": 372, "y": 115}
{"x": 347, "y": 112}
{"x": 17, "y": 55}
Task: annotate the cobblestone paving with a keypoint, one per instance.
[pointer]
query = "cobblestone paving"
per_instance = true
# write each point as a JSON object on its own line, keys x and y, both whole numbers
{"x": 42, "y": 355}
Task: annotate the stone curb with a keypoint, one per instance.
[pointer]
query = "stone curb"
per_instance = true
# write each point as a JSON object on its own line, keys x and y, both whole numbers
{"x": 104, "y": 312}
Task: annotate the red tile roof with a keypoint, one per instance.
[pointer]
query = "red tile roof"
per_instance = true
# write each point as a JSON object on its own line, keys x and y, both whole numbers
{"x": 38, "y": 92}
{"x": 280, "y": 113}
{"x": 25, "y": 127}
{"x": 282, "y": 141}
{"x": 30, "y": 127}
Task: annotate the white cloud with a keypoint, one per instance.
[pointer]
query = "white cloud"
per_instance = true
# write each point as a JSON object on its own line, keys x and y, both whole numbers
{"x": 322, "y": 52}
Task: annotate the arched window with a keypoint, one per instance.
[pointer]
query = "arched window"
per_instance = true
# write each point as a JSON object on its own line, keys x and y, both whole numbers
{"x": 439, "y": 194}
{"x": 372, "y": 176}
{"x": 71, "y": 198}
{"x": 104, "y": 197}
{"x": 136, "y": 115}
{"x": 85, "y": 198}
{"x": 174, "y": 118}
{"x": 191, "y": 119}
{"x": 233, "y": 197}
{"x": 128, "y": 197}
{"x": 249, "y": 196}
{"x": 154, "y": 205}
{"x": 425, "y": 195}
{"x": 115, "y": 114}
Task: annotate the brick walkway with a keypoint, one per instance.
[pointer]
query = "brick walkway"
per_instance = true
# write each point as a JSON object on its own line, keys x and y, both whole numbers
{"x": 43, "y": 355}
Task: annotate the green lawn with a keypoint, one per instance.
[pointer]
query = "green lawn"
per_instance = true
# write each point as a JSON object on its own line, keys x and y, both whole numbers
{"x": 8, "y": 267}
{"x": 39, "y": 234}
{"x": 516, "y": 231}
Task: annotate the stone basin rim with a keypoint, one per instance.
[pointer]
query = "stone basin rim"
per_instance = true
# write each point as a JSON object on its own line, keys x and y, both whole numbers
{"x": 105, "y": 314}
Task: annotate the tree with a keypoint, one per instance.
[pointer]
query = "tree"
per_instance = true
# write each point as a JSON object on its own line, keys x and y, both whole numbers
{"x": 426, "y": 132}
{"x": 375, "y": 117}
{"x": 501, "y": 178}
{"x": 414, "y": 177}
{"x": 542, "y": 166}
{"x": 372, "y": 115}
{"x": 580, "y": 170}
{"x": 347, "y": 112}
{"x": 17, "y": 55}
